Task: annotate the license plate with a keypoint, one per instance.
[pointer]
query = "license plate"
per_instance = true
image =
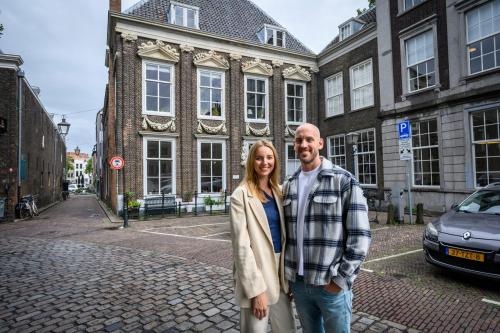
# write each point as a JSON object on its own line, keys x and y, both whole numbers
{"x": 465, "y": 254}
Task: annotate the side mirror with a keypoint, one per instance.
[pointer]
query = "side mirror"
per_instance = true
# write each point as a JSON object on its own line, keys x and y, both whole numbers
{"x": 453, "y": 206}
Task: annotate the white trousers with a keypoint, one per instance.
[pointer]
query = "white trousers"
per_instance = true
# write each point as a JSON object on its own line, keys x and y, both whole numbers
{"x": 280, "y": 314}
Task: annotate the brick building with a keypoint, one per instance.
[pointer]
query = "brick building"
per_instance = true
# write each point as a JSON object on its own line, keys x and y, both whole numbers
{"x": 39, "y": 170}
{"x": 441, "y": 61}
{"x": 191, "y": 86}
{"x": 78, "y": 175}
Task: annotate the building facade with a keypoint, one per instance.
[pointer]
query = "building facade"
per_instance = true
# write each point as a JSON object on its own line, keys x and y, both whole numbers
{"x": 32, "y": 150}
{"x": 442, "y": 65}
{"x": 78, "y": 175}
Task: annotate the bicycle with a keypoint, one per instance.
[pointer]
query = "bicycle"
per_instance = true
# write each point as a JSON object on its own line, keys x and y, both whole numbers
{"x": 27, "y": 207}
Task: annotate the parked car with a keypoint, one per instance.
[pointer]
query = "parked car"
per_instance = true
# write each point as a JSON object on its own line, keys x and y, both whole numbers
{"x": 467, "y": 238}
{"x": 72, "y": 188}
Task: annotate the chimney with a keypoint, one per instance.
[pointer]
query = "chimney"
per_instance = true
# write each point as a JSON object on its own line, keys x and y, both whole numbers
{"x": 115, "y": 6}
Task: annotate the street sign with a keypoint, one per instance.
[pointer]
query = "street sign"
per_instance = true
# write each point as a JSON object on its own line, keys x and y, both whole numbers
{"x": 405, "y": 153}
{"x": 116, "y": 162}
{"x": 404, "y": 130}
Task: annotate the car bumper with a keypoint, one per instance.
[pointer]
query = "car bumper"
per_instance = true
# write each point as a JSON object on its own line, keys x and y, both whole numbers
{"x": 435, "y": 254}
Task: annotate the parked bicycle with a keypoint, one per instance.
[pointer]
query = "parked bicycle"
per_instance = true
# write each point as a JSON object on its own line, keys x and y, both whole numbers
{"x": 27, "y": 207}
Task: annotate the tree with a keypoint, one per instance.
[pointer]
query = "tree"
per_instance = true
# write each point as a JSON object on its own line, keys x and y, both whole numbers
{"x": 89, "y": 167}
{"x": 371, "y": 4}
{"x": 69, "y": 163}
{"x": 1, "y": 29}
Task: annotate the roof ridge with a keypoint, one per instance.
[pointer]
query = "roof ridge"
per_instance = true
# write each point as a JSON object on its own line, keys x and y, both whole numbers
{"x": 135, "y": 6}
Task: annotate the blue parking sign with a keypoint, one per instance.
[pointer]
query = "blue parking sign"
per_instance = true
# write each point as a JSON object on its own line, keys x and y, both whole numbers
{"x": 404, "y": 129}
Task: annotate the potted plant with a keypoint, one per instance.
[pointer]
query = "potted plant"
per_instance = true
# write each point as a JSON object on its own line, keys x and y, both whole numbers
{"x": 187, "y": 196}
{"x": 132, "y": 206}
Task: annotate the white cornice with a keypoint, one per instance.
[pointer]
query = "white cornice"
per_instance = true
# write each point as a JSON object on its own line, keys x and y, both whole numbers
{"x": 10, "y": 61}
{"x": 343, "y": 48}
{"x": 204, "y": 40}
{"x": 296, "y": 73}
{"x": 158, "y": 50}
{"x": 256, "y": 66}
{"x": 211, "y": 59}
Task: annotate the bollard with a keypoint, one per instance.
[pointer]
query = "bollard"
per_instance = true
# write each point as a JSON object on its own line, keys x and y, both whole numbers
{"x": 390, "y": 214}
{"x": 125, "y": 210}
{"x": 420, "y": 214}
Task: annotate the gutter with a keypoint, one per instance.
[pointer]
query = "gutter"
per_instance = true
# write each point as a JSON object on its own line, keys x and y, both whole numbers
{"x": 20, "y": 78}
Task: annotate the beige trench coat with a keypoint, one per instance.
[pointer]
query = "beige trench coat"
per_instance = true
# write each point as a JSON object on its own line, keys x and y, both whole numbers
{"x": 254, "y": 267}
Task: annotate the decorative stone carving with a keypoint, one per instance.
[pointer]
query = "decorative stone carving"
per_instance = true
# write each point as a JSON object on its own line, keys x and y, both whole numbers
{"x": 211, "y": 59}
{"x": 158, "y": 50}
{"x": 249, "y": 130}
{"x": 257, "y": 67}
{"x": 277, "y": 63}
{"x": 186, "y": 48}
{"x": 296, "y": 73}
{"x": 314, "y": 69}
{"x": 235, "y": 56}
{"x": 244, "y": 154}
{"x": 158, "y": 127}
{"x": 128, "y": 37}
{"x": 220, "y": 129}
{"x": 289, "y": 131}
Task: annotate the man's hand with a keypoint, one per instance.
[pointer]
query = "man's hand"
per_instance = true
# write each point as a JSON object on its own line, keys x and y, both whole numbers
{"x": 332, "y": 288}
{"x": 259, "y": 306}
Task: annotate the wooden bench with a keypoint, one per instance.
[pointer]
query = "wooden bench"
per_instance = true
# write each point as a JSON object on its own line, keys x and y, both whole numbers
{"x": 160, "y": 205}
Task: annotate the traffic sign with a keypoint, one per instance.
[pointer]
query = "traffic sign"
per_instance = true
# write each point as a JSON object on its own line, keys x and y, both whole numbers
{"x": 404, "y": 130}
{"x": 405, "y": 146}
{"x": 116, "y": 162}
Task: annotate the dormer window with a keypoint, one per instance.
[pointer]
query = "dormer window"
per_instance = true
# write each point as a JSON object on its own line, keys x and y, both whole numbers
{"x": 185, "y": 15}
{"x": 272, "y": 35}
{"x": 349, "y": 28}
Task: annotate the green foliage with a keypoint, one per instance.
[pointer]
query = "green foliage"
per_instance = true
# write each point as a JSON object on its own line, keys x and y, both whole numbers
{"x": 134, "y": 204}
{"x": 1, "y": 29}
{"x": 371, "y": 4}
{"x": 188, "y": 196}
{"x": 89, "y": 167}
{"x": 208, "y": 201}
{"x": 69, "y": 163}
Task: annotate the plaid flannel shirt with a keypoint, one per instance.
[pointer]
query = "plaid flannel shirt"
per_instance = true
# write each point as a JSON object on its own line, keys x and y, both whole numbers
{"x": 336, "y": 228}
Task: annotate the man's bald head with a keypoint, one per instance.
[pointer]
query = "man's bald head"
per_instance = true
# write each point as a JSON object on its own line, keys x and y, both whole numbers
{"x": 307, "y": 145}
{"x": 310, "y": 127}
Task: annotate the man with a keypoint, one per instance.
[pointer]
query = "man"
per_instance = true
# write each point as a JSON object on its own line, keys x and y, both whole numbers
{"x": 328, "y": 235}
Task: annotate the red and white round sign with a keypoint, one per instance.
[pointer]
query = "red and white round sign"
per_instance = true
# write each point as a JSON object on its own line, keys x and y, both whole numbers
{"x": 116, "y": 162}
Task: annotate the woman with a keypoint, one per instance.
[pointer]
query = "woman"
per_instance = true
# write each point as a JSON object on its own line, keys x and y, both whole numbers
{"x": 257, "y": 230}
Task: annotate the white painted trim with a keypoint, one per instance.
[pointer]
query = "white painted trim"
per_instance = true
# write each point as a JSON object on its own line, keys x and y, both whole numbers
{"x": 304, "y": 105}
{"x": 223, "y": 93}
{"x": 184, "y": 14}
{"x": 198, "y": 162}
{"x": 207, "y": 41}
{"x": 145, "y": 140}
{"x": 172, "y": 88}
{"x": 329, "y": 146}
{"x": 286, "y": 156}
{"x": 331, "y": 77}
{"x": 438, "y": 146}
{"x": 370, "y": 61}
{"x": 339, "y": 50}
{"x": 374, "y": 152}
{"x": 266, "y": 99}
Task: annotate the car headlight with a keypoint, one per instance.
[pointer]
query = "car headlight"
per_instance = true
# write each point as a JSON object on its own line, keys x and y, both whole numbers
{"x": 431, "y": 232}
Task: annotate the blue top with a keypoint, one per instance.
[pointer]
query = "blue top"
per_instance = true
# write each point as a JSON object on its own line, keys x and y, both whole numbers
{"x": 273, "y": 218}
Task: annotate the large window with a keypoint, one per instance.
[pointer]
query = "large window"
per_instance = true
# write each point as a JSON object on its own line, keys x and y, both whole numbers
{"x": 272, "y": 36}
{"x": 184, "y": 15}
{"x": 334, "y": 96}
{"x": 425, "y": 153}
{"x": 336, "y": 150}
{"x": 486, "y": 146}
{"x": 361, "y": 85}
{"x": 292, "y": 161}
{"x": 366, "y": 161}
{"x": 411, "y": 3}
{"x": 158, "y": 88}
{"x": 211, "y": 166}
{"x": 159, "y": 166}
{"x": 256, "y": 99}
{"x": 295, "y": 102}
{"x": 483, "y": 37}
{"x": 420, "y": 69}
{"x": 210, "y": 94}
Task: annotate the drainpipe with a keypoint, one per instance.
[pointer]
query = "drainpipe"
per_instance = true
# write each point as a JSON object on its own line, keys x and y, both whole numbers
{"x": 20, "y": 77}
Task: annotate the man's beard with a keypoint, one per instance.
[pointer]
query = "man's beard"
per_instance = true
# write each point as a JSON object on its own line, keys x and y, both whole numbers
{"x": 314, "y": 154}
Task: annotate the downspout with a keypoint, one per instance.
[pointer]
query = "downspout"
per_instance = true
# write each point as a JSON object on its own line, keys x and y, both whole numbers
{"x": 20, "y": 77}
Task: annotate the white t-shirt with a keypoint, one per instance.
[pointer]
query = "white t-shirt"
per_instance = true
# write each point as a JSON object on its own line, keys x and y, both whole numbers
{"x": 305, "y": 182}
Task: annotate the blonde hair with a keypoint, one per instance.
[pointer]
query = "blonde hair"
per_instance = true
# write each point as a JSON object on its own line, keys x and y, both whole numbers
{"x": 252, "y": 179}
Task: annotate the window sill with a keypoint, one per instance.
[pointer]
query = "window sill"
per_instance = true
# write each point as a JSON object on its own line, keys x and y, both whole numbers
{"x": 256, "y": 121}
{"x": 435, "y": 87}
{"x": 335, "y": 116}
{"x": 157, "y": 113}
{"x": 404, "y": 11}
{"x": 495, "y": 70}
{"x": 211, "y": 118}
{"x": 363, "y": 108}
{"x": 295, "y": 123}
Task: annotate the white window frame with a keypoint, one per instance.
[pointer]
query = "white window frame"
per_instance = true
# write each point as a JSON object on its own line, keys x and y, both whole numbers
{"x": 304, "y": 101}
{"x": 145, "y": 140}
{"x": 342, "y": 36}
{"x": 172, "y": 88}
{"x": 266, "y": 99}
{"x": 275, "y": 35}
{"x": 351, "y": 77}
{"x": 185, "y": 7}
{"x": 224, "y": 171}
{"x": 296, "y": 160}
{"x": 223, "y": 93}
{"x": 414, "y": 148}
{"x": 407, "y": 65}
{"x": 403, "y": 3}
{"x": 329, "y": 149}
{"x": 359, "y": 153}
{"x": 341, "y": 95}
{"x": 496, "y": 48}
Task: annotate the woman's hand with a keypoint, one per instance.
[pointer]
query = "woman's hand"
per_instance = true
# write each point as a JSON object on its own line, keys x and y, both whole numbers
{"x": 259, "y": 306}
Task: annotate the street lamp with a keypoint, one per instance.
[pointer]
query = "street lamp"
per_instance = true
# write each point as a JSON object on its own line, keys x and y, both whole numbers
{"x": 63, "y": 127}
{"x": 77, "y": 151}
{"x": 352, "y": 139}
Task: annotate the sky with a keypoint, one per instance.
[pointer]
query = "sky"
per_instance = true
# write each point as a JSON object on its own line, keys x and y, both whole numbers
{"x": 63, "y": 44}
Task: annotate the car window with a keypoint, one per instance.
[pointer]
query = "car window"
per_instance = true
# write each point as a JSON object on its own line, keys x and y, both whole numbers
{"x": 483, "y": 201}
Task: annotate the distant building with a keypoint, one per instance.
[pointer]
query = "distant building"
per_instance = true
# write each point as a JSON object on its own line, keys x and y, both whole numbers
{"x": 78, "y": 175}
{"x": 32, "y": 150}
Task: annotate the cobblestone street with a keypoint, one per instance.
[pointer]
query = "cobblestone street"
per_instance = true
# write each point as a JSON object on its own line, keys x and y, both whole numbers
{"x": 71, "y": 269}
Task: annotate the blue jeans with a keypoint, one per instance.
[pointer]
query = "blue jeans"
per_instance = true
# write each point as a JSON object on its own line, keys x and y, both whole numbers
{"x": 321, "y": 311}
